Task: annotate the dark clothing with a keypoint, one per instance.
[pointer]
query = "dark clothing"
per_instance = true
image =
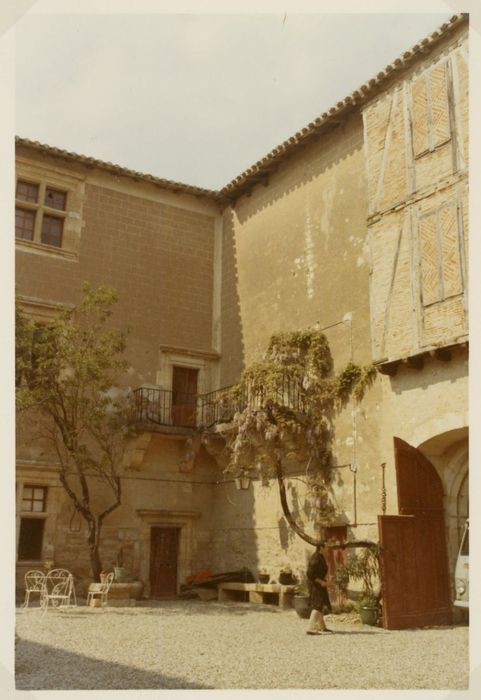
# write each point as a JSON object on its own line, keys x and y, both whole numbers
{"x": 319, "y": 596}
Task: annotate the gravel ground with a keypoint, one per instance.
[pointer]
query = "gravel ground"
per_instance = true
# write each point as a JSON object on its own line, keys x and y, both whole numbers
{"x": 194, "y": 644}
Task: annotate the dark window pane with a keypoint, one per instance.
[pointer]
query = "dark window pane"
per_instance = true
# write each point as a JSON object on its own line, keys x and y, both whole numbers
{"x": 27, "y": 191}
{"x": 24, "y": 224}
{"x": 55, "y": 199}
{"x": 31, "y": 536}
{"x": 52, "y": 230}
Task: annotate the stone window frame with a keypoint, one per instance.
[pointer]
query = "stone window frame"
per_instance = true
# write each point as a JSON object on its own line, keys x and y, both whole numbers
{"x": 40, "y": 475}
{"x": 51, "y": 177}
{"x": 31, "y": 515}
{"x": 206, "y": 362}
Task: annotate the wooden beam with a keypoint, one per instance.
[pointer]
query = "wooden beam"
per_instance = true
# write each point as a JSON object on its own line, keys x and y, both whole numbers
{"x": 416, "y": 362}
{"x": 389, "y": 368}
{"x": 443, "y": 354}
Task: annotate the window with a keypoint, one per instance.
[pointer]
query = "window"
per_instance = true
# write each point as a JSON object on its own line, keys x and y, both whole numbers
{"x": 31, "y": 538}
{"x": 40, "y": 213}
{"x": 52, "y": 230}
{"x": 24, "y": 224}
{"x": 27, "y": 192}
{"x": 441, "y": 270}
{"x": 430, "y": 110}
{"x": 34, "y": 501}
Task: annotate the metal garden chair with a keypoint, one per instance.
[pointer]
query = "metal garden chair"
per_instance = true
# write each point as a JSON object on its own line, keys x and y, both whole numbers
{"x": 58, "y": 590}
{"x": 34, "y": 583}
{"x": 100, "y": 591}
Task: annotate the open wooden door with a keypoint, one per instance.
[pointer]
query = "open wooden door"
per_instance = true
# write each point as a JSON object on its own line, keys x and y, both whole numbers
{"x": 184, "y": 396}
{"x": 414, "y": 564}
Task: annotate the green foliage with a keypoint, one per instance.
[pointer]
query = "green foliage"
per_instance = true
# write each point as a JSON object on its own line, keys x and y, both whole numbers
{"x": 287, "y": 405}
{"x": 67, "y": 372}
{"x": 364, "y": 567}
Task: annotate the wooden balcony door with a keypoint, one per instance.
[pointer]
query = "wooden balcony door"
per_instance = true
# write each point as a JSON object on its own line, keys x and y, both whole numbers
{"x": 164, "y": 547}
{"x": 184, "y": 396}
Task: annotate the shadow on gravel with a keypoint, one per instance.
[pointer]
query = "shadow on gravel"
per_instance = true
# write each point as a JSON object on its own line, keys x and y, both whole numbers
{"x": 170, "y": 607}
{"x": 55, "y": 669}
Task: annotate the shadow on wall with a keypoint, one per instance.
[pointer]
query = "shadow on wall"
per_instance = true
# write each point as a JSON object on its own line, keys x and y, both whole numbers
{"x": 232, "y": 362}
{"x": 434, "y": 372}
{"x": 304, "y": 513}
{"x": 43, "y": 667}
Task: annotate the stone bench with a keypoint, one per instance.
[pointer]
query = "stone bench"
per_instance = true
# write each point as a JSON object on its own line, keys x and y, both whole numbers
{"x": 258, "y": 592}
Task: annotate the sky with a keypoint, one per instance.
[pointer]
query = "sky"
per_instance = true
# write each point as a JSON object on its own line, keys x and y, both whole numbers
{"x": 195, "y": 98}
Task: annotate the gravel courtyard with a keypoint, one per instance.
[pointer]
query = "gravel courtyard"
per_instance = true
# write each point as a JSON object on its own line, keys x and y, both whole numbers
{"x": 194, "y": 644}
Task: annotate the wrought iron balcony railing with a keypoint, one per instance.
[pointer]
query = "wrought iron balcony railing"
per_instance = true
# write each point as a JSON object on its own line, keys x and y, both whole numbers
{"x": 165, "y": 407}
{"x": 172, "y": 408}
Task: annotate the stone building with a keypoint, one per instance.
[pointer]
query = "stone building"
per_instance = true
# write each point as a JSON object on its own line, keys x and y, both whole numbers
{"x": 357, "y": 225}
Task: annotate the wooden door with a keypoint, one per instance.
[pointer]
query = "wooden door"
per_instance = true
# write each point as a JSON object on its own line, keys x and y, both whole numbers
{"x": 184, "y": 396}
{"x": 164, "y": 544}
{"x": 414, "y": 563}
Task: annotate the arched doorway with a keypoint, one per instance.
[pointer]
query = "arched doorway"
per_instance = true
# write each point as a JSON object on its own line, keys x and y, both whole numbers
{"x": 449, "y": 453}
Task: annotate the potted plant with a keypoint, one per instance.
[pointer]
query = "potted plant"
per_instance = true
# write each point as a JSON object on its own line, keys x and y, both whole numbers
{"x": 286, "y": 577}
{"x": 302, "y": 601}
{"x": 341, "y": 578}
{"x": 263, "y": 576}
{"x": 120, "y": 574}
{"x": 365, "y": 568}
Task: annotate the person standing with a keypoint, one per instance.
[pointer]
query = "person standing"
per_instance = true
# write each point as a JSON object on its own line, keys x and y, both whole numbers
{"x": 317, "y": 571}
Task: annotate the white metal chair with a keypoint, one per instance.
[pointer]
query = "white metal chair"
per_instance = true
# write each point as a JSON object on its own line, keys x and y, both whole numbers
{"x": 100, "y": 591}
{"x": 34, "y": 583}
{"x": 58, "y": 590}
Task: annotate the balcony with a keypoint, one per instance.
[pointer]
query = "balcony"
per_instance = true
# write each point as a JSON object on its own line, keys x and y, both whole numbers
{"x": 183, "y": 413}
{"x": 155, "y": 406}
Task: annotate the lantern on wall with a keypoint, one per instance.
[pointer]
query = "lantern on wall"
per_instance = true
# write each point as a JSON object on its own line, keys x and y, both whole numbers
{"x": 242, "y": 482}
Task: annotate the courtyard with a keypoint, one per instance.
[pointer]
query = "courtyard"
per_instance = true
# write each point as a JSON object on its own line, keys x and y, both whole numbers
{"x": 191, "y": 644}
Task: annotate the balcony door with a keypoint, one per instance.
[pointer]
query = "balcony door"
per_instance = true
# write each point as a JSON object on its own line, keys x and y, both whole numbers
{"x": 184, "y": 396}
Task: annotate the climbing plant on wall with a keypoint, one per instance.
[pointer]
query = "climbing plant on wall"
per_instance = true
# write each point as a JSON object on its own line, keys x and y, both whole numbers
{"x": 286, "y": 405}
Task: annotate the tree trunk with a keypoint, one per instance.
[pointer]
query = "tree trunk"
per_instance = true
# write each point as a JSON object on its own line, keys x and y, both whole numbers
{"x": 93, "y": 543}
{"x": 299, "y": 531}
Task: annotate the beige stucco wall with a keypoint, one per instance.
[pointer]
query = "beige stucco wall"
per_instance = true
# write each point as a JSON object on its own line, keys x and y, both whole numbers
{"x": 296, "y": 256}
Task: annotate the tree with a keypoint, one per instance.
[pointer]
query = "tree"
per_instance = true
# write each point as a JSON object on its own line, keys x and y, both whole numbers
{"x": 66, "y": 375}
{"x": 286, "y": 406}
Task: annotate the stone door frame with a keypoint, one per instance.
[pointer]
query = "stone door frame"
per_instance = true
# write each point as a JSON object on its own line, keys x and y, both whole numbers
{"x": 181, "y": 519}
